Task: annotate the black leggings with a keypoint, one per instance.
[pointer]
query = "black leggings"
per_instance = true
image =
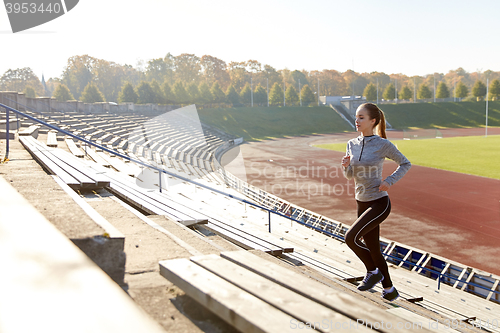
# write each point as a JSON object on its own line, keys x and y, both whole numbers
{"x": 370, "y": 215}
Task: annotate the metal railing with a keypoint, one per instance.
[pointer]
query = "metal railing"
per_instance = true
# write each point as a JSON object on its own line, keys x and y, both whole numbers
{"x": 442, "y": 275}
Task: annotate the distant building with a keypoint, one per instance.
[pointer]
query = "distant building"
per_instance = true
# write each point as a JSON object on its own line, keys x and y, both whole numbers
{"x": 350, "y": 103}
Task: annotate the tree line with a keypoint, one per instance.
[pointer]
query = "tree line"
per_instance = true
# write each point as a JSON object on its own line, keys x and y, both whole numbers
{"x": 187, "y": 78}
{"x": 477, "y": 93}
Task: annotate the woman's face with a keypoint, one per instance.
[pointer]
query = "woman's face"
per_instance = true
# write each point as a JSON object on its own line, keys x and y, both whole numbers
{"x": 363, "y": 121}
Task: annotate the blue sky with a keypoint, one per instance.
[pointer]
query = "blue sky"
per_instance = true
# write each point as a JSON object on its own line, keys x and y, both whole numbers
{"x": 413, "y": 38}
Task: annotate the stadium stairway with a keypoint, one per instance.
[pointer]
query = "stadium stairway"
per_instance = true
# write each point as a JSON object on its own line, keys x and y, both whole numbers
{"x": 329, "y": 258}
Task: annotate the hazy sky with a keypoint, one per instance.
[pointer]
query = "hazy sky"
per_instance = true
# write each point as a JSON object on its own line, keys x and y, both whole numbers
{"x": 409, "y": 37}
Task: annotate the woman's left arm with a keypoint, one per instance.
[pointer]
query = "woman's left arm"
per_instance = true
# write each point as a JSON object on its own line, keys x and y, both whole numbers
{"x": 394, "y": 154}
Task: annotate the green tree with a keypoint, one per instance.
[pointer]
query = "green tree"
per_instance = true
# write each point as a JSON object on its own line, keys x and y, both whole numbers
{"x": 232, "y": 96}
{"x": 355, "y": 83}
{"x": 108, "y": 76}
{"x": 214, "y": 69}
{"x": 405, "y": 93}
{"x": 389, "y": 92}
{"x": 442, "y": 90}
{"x": 298, "y": 75}
{"x": 494, "y": 90}
{"x": 29, "y": 92}
{"x": 187, "y": 67}
{"x": 168, "y": 93}
{"x": 246, "y": 94}
{"x": 270, "y": 73}
{"x": 424, "y": 92}
{"x": 370, "y": 92}
{"x": 260, "y": 95}
{"x": 238, "y": 74}
{"x": 145, "y": 93}
{"x": 479, "y": 90}
{"x": 91, "y": 94}
{"x": 462, "y": 90}
{"x": 159, "y": 95}
{"x": 217, "y": 93}
{"x": 276, "y": 94}
{"x": 307, "y": 95}
{"x": 127, "y": 94}
{"x": 62, "y": 93}
{"x": 161, "y": 69}
{"x": 193, "y": 93}
{"x": 18, "y": 79}
{"x": 205, "y": 94}
{"x": 180, "y": 93}
{"x": 291, "y": 96}
{"x": 78, "y": 73}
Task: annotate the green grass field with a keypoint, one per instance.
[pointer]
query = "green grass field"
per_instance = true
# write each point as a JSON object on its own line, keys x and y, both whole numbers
{"x": 475, "y": 155}
{"x": 441, "y": 115}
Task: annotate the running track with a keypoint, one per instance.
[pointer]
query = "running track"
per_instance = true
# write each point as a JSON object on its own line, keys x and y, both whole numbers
{"x": 450, "y": 214}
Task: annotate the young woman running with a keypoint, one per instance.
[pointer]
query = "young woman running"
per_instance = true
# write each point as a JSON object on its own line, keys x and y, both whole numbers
{"x": 364, "y": 159}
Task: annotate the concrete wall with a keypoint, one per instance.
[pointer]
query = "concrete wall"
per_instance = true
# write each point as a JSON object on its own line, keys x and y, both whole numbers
{"x": 20, "y": 102}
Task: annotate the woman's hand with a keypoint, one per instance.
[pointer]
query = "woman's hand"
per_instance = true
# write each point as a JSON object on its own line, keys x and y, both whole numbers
{"x": 384, "y": 186}
{"x": 346, "y": 160}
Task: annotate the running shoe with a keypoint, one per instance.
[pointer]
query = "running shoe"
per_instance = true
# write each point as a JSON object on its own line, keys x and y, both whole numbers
{"x": 390, "y": 296}
{"x": 370, "y": 280}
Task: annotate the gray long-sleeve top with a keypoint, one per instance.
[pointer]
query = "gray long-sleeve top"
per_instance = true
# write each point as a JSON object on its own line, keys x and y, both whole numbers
{"x": 367, "y": 158}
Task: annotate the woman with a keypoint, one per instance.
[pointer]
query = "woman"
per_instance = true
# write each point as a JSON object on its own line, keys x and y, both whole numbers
{"x": 364, "y": 159}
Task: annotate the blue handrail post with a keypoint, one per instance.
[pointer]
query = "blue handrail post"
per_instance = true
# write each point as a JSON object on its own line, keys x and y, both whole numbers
{"x": 269, "y": 212}
{"x": 439, "y": 281}
{"x": 7, "y": 133}
{"x": 159, "y": 173}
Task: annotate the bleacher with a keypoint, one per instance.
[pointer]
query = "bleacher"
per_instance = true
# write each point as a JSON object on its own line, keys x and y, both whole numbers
{"x": 181, "y": 146}
{"x": 266, "y": 296}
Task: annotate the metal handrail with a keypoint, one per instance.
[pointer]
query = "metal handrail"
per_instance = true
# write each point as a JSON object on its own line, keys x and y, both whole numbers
{"x": 440, "y": 275}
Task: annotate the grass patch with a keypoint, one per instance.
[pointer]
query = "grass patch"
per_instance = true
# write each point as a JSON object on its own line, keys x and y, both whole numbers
{"x": 475, "y": 155}
{"x": 260, "y": 123}
{"x": 441, "y": 115}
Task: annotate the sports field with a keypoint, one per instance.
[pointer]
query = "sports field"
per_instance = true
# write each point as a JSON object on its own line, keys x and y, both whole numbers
{"x": 474, "y": 155}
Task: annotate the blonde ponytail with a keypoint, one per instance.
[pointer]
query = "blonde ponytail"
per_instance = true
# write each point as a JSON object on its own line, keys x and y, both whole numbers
{"x": 381, "y": 125}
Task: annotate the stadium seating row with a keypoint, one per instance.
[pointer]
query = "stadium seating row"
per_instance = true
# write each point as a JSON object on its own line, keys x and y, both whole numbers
{"x": 114, "y": 130}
